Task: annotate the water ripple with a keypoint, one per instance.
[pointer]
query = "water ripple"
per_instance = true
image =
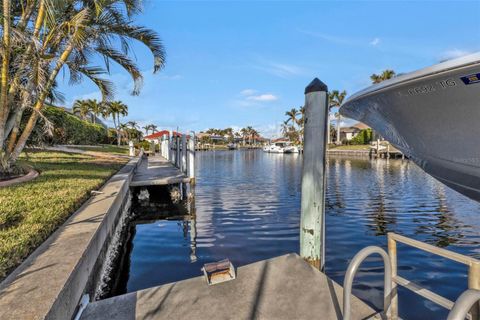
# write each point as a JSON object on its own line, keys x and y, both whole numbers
{"x": 248, "y": 209}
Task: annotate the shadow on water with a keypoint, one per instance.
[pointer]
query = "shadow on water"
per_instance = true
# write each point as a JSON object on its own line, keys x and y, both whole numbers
{"x": 247, "y": 208}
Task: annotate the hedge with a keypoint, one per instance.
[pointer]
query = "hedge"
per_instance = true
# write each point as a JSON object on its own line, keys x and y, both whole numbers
{"x": 68, "y": 129}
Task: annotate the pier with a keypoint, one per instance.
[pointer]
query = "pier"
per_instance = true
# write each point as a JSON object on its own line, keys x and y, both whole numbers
{"x": 155, "y": 170}
{"x": 285, "y": 287}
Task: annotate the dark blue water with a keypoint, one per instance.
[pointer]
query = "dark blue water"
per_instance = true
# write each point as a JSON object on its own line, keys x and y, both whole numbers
{"x": 248, "y": 209}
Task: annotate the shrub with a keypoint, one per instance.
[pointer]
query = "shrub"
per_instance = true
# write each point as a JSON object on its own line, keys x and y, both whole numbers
{"x": 363, "y": 137}
{"x": 146, "y": 146}
{"x": 67, "y": 129}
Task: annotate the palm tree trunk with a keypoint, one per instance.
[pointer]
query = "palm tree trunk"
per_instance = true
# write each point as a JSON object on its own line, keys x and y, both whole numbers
{"x": 39, "y": 104}
{"x": 5, "y": 71}
{"x": 118, "y": 130}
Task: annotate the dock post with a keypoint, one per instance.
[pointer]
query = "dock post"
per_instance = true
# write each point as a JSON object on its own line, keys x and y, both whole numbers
{"x": 152, "y": 147}
{"x": 171, "y": 155}
{"x": 177, "y": 151}
{"x": 312, "y": 220}
{"x": 183, "y": 165}
{"x": 191, "y": 158}
{"x": 378, "y": 148}
{"x": 167, "y": 148}
{"x": 131, "y": 149}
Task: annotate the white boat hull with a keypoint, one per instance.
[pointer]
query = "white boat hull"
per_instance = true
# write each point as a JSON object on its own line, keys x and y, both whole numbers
{"x": 433, "y": 116}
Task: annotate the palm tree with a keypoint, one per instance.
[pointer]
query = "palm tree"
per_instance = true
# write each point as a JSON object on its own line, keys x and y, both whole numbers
{"x": 292, "y": 116}
{"x": 146, "y": 128}
{"x": 124, "y": 129}
{"x": 82, "y": 108}
{"x": 133, "y": 124}
{"x": 97, "y": 109}
{"x": 249, "y": 131}
{"x": 285, "y": 128}
{"x": 89, "y": 106}
{"x": 330, "y": 106}
{"x": 115, "y": 109}
{"x": 254, "y": 135}
{"x": 336, "y": 100}
{"x": 385, "y": 75}
{"x": 43, "y": 38}
{"x": 244, "y": 133}
{"x": 153, "y": 128}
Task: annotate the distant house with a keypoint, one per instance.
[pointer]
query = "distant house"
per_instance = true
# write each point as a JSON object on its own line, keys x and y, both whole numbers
{"x": 349, "y": 133}
{"x": 156, "y": 136}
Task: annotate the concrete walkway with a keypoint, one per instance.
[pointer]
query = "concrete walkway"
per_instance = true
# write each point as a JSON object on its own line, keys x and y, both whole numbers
{"x": 285, "y": 287}
{"x": 72, "y": 149}
{"x": 51, "y": 281}
{"x": 156, "y": 170}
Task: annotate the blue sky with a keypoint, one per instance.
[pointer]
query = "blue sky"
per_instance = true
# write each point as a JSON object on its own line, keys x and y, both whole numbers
{"x": 234, "y": 64}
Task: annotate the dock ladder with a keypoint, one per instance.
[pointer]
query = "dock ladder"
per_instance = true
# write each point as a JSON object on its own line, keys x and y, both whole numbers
{"x": 466, "y": 306}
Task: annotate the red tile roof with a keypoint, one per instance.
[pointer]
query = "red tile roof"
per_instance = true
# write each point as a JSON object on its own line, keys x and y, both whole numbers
{"x": 157, "y": 135}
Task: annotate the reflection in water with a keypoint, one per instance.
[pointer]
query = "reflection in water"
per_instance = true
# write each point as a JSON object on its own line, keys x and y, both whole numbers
{"x": 247, "y": 208}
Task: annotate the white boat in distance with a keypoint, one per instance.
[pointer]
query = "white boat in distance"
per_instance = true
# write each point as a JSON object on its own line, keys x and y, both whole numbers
{"x": 433, "y": 116}
{"x": 281, "y": 147}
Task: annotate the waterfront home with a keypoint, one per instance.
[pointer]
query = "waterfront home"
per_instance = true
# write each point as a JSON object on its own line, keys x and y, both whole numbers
{"x": 348, "y": 133}
{"x": 156, "y": 136}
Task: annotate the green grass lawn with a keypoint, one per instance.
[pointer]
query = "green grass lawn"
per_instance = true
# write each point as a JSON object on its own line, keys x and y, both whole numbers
{"x": 108, "y": 148}
{"x": 350, "y": 147}
{"x": 31, "y": 211}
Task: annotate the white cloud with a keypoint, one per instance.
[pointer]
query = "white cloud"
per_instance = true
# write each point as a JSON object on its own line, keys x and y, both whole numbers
{"x": 375, "y": 42}
{"x": 171, "y": 77}
{"x": 454, "y": 53}
{"x": 282, "y": 70}
{"x": 263, "y": 97}
{"x": 248, "y": 92}
{"x": 330, "y": 38}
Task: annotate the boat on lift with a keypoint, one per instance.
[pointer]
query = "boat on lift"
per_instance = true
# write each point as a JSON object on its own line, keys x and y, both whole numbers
{"x": 281, "y": 147}
{"x": 433, "y": 116}
{"x": 232, "y": 146}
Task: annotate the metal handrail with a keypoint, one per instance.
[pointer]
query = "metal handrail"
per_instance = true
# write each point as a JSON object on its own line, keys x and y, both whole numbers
{"x": 352, "y": 270}
{"x": 473, "y": 275}
{"x": 463, "y": 304}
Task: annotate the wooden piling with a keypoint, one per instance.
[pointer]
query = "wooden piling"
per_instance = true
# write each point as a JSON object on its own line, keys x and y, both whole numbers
{"x": 312, "y": 221}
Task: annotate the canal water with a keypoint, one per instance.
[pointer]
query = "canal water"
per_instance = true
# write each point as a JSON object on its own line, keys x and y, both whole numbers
{"x": 247, "y": 209}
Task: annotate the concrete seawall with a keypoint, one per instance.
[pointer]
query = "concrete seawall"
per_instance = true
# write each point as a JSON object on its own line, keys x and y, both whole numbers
{"x": 51, "y": 281}
{"x": 354, "y": 153}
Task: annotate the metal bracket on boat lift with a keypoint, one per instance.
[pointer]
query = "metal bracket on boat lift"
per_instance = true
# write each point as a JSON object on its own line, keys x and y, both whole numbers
{"x": 352, "y": 270}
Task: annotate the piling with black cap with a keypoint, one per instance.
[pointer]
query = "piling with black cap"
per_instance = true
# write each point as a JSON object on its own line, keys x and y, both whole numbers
{"x": 312, "y": 221}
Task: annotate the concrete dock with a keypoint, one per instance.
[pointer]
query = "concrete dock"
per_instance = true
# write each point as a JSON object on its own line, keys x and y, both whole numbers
{"x": 285, "y": 287}
{"x": 157, "y": 171}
